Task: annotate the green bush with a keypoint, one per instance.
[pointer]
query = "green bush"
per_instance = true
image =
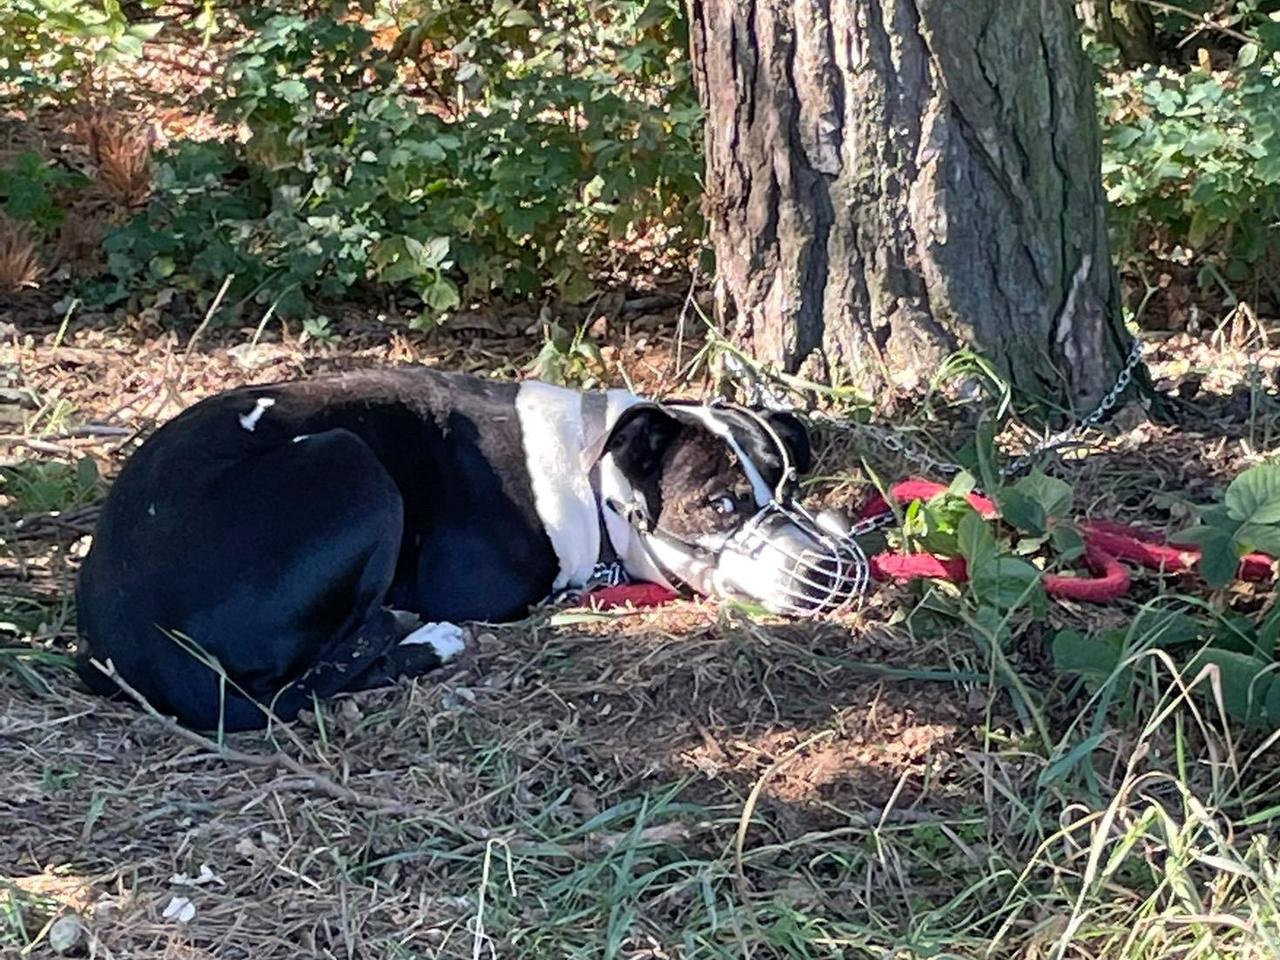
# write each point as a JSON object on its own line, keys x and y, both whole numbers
{"x": 31, "y": 190}
{"x": 1191, "y": 158}
{"x": 48, "y": 47}
{"x": 566, "y": 127}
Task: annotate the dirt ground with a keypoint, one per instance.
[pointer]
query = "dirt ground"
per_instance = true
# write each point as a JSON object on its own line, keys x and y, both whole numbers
{"x": 692, "y": 768}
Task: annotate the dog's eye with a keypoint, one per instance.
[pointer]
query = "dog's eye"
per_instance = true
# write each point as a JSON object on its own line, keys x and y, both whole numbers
{"x": 724, "y": 505}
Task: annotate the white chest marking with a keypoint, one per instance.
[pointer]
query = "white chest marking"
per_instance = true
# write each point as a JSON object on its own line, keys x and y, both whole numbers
{"x": 551, "y": 432}
{"x": 250, "y": 420}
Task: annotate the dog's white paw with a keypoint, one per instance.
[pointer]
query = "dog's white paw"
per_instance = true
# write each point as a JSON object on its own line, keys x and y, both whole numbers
{"x": 446, "y": 639}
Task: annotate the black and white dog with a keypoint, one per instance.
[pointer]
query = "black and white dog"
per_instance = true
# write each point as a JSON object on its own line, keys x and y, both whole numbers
{"x": 269, "y": 544}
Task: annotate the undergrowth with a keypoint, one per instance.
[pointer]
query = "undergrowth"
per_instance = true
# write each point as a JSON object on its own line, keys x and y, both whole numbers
{"x": 1104, "y": 785}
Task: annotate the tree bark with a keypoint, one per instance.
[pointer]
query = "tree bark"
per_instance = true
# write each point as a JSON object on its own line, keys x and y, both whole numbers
{"x": 891, "y": 180}
{"x": 1128, "y": 25}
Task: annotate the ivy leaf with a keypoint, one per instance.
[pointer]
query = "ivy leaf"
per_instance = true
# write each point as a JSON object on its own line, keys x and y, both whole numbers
{"x": 1254, "y": 496}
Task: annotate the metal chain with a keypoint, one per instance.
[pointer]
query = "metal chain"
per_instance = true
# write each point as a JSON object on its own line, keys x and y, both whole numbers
{"x": 1123, "y": 379}
{"x": 758, "y": 393}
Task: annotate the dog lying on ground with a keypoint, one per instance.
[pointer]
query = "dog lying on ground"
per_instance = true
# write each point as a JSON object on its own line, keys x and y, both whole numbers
{"x": 271, "y": 543}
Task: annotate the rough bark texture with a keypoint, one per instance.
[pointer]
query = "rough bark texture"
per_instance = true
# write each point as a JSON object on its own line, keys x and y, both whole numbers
{"x": 1128, "y": 25}
{"x": 889, "y": 180}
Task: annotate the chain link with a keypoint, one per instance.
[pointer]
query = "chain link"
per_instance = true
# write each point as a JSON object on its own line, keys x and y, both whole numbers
{"x": 1123, "y": 379}
{"x": 759, "y": 394}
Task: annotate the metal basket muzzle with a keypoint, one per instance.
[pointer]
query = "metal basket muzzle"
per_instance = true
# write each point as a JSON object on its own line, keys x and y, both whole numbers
{"x": 822, "y": 570}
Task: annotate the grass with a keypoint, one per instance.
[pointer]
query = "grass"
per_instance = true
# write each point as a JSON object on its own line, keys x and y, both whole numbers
{"x": 683, "y": 783}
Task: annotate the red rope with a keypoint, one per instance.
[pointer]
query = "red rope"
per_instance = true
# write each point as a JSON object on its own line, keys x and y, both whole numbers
{"x": 1107, "y": 542}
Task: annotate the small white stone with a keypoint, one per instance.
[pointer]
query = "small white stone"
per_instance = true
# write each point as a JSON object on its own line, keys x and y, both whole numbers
{"x": 65, "y": 933}
{"x": 180, "y": 909}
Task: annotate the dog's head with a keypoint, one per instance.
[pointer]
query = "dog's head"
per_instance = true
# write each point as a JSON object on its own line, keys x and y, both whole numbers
{"x": 710, "y": 493}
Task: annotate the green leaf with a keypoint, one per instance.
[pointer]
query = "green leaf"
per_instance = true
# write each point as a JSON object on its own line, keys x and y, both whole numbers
{"x": 519, "y": 18}
{"x": 1095, "y": 658}
{"x": 1245, "y": 684}
{"x": 291, "y": 91}
{"x": 434, "y": 251}
{"x": 1261, "y": 537}
{"x": 1268, "y": 633}
{"x": 1053, "y": 495}
{"x": 1060, "y": 768}
{"x": 1219, "y": 557}
{"x": 977, "y": 543}
{"x": 128, "y": 46}
{"x": 146, "y": 31}
{"x": 1021, "y": 510}
{"x": 1067, "y": 541}
{"x": 1006, "y": 582}
{"x": 1254, "y": 496}
{"x": 441, "y": 295}
{"x": 962, "y": 484}
{"x": 984, "y": 450}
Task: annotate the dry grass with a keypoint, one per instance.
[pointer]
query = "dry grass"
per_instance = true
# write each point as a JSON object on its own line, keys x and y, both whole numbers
{"x": 20, "y": 267}
{"x": 119, "y": 149}
{"x": 687, "y": 783}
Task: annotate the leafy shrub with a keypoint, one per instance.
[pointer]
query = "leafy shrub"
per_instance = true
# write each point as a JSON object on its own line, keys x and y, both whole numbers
{"x": 30, "y": 191}
{"x": 1248, "y": 519}
{"x": 50, "y": 46}
{"x": 558, "y": 138}
{"x": 1192, "y": 158}
{"x": 40, "y": 487}
{"x": 1243, "y": 649}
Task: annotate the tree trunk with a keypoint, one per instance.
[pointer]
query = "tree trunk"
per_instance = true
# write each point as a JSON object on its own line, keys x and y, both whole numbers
{"x": 1128, "y": 25}
{"x": 891, "y": 180}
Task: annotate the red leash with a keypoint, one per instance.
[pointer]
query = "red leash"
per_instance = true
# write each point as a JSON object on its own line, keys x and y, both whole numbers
{"x": 1107, "y": 542}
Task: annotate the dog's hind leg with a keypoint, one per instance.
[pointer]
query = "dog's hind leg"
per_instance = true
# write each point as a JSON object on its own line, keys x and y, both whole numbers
{"x": 262, "y": 583}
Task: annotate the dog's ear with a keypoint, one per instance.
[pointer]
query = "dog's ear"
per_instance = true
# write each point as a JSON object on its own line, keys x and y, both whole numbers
{"x": 792, "y": 432}
{"x": 639, "y": 438}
